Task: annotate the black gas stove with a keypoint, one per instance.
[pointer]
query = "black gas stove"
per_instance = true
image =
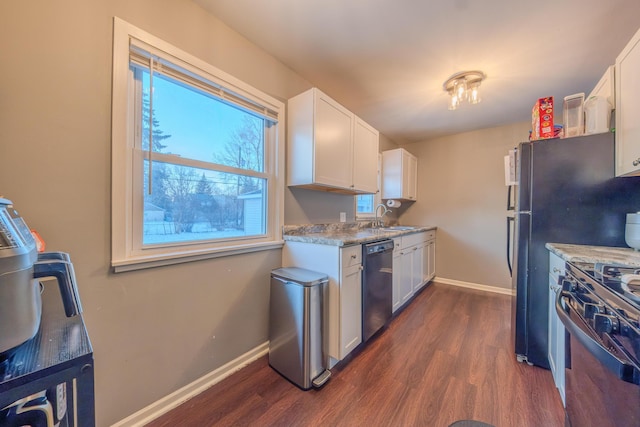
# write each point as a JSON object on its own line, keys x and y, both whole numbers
{"x": 600, "y": 308}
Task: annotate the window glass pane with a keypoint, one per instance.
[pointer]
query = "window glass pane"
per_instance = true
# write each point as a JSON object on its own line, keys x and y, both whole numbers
{"x": 189, "y": 204}
{"x": 364, "y": 203}
{"x": 191, "y": 123}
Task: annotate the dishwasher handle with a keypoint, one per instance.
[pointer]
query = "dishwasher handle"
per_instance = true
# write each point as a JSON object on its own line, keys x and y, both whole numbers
{"x": 378, "y": 247}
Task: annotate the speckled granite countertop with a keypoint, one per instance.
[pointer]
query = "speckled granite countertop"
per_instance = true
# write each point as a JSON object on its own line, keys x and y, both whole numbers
{"x": 594, "y": 254}
{"x": 343, "y": 234}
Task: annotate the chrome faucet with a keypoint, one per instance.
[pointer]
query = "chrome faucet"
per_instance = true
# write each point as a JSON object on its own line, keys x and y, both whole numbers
{"x": 378, "y": 222}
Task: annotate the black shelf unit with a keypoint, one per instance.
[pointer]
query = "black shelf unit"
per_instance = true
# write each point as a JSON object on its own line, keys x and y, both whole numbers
{"x": 59, "y": 353}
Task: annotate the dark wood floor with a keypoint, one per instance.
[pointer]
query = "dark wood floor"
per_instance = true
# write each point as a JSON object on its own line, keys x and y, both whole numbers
{"x": 446, "y": 357}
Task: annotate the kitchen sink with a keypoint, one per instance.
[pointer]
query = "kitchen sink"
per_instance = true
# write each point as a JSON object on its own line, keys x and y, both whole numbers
{"x": 375, "y": 230}
{"x": 398, "y": 228}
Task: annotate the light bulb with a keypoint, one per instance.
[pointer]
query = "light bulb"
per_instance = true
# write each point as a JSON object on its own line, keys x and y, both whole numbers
{"x": 461, "y": 88}
{"x": 474, "y": 95}
{"x": 455, "y": 101}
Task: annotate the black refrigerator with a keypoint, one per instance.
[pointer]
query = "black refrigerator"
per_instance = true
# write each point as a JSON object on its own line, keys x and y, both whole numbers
{"x": 566, "y": 192}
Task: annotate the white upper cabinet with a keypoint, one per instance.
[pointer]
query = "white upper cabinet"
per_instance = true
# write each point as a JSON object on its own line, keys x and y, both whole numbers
{"x": 329, "y": 148}
{"x": 365, "y": 157}
{"x": 628, "y": 109}
{"x": 399, "y": 174}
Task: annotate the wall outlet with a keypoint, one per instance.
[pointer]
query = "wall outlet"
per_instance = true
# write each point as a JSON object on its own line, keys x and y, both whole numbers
{"x": 343, "y": 217}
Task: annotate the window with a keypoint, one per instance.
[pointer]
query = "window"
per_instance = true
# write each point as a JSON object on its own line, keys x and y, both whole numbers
{"x": 366, "y": 203}
{"x": 196, "y": 157}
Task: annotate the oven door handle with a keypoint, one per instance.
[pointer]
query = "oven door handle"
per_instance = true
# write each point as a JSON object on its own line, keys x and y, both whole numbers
{"x": 623, "y": 370}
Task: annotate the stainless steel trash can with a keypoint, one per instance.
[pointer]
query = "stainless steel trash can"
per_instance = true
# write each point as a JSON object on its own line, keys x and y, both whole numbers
{"x": 295, "y": 326}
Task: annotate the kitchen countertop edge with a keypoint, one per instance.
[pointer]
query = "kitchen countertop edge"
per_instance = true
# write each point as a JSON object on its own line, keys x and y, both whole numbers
{"x": 595, "y": 254}
{"x": 353, "y": 238}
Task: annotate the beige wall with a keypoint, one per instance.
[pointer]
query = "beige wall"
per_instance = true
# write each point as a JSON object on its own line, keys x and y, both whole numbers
{"x": 461, "y": 190}
{"x": 153, "y": 331}
{"x": 156, "y": 330}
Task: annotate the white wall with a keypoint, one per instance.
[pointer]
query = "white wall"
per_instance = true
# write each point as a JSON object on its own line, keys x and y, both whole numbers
{"x": 461, "y": 190}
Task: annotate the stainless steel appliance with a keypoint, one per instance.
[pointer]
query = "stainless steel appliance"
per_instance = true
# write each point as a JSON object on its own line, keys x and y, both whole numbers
{"x": 377, "y": 286}
{"x": 566, "y": 193}
{"x": 20, "y": 267}
{"x": 295, "y": 326}
{"x": 601, "y": 314}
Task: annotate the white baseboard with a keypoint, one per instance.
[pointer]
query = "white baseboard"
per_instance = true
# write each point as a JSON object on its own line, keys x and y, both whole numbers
{"x": 167, "y": 403}
{"x": 476, "y": 286}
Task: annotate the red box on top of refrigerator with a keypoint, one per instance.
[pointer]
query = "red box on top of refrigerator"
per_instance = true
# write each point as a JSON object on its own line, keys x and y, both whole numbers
{"x": 542, "y": 119}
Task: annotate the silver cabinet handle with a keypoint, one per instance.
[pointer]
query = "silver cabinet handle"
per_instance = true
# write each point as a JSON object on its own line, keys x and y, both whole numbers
{"x": 354, "y": 256}
{"x": 556, "y": 270}
{"x": 636, "y": 162}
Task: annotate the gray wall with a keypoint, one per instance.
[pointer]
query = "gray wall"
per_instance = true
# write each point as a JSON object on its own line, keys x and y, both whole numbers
{"x": 156, "y": 330}
{"x": 461, "y": 190}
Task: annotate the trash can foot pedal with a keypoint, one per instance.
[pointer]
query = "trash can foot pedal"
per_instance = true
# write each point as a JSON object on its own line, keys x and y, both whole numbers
{"x": 321, "y": 379}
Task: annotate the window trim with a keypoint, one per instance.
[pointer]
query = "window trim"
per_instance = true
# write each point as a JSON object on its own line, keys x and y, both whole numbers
{"x": 124, "y": 256}
{"x": 376, "y": 197}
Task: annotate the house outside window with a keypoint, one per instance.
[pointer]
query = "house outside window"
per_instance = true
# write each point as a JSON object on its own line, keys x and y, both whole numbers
{"x": 197, "y": 156}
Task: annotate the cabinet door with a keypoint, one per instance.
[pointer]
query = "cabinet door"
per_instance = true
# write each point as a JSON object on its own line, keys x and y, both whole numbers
{"x": 418, "y": 267}
{"x": 552, "y": 350}
{"x": 397, "y": 276}
{"x": 431, "y": 259}
{"x": 365, "y": 157}
{"x": 406, "y": 288}
{"x": 333, "y": 151}
{"x": 399, "y": 174}
{"x": 409, "y": 176}
{"x": 392, "y": 174}
{"x": 350, "y": 309}
{"x": 628, "y": 109}
{"x": 556, "y": 351}
{"x": 428, "y": 260}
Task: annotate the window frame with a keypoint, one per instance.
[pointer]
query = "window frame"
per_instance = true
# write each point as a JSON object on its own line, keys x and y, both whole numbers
{"x": 128, "y": 253}
{"x": 376, "y": 197}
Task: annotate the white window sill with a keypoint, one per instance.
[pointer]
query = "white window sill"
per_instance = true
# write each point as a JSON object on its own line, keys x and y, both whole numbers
{"x": 151, "y": 261}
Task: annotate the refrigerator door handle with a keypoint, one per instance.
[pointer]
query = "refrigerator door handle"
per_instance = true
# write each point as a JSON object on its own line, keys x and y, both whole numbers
{"x": 509, "y": 221}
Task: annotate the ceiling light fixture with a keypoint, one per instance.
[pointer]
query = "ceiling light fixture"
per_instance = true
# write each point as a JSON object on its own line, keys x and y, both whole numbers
{"x": 462, "y": 86}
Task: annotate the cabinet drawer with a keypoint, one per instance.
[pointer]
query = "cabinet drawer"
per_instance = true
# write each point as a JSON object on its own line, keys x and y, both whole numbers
{"x": 430, "y": 235}
{"x": 351, "y": 255}
{"x": 409, "y": 240}
{"x": 556, "y": 266}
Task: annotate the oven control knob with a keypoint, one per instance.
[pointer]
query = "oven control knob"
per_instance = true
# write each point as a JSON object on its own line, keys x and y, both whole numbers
{"x": 590, "y": 310}
{"x": 605, "y": 324}
{"x": 567, "y": 284}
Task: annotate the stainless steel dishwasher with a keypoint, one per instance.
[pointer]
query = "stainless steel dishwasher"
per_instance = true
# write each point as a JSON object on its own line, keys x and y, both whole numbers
{"x": 377, "y": 286}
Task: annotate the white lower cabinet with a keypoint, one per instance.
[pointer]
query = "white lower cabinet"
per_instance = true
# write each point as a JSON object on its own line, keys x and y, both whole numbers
{"x": 556, "y": 352}
{"x": 397, "y": 269}
{"x": 342, "y": 323}
{"x": 430, "y": 257}
{"x": 417, "y": 266}
{"x": 405, "y": 273}
{"x": 413, "y": 265}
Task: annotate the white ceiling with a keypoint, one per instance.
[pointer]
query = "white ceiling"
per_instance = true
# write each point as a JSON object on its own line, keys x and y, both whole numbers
{"x": 386, "y": 60}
